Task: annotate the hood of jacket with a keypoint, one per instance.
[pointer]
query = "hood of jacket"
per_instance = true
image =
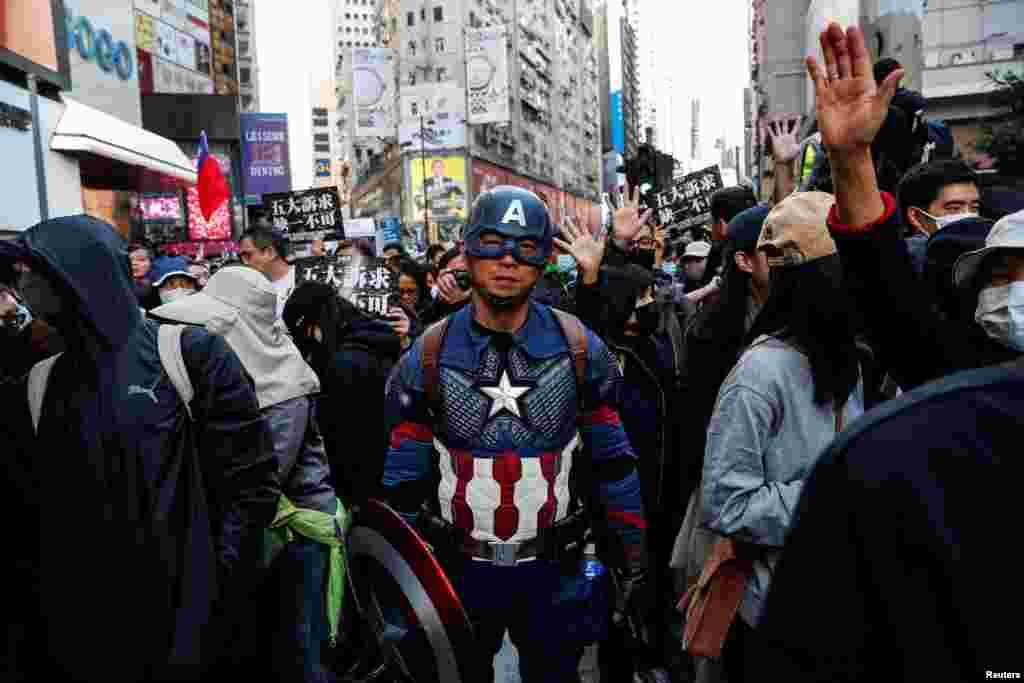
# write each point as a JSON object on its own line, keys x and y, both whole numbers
{"x": 89, "y": 259}
{"x": 374, "y": 334}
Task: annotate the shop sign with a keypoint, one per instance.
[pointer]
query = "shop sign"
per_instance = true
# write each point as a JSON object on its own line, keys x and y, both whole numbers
{"x": 110, "y": 55}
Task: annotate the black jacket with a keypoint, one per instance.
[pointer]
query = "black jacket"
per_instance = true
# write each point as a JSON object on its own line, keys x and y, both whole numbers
{"x": 351, "y": 406}
{"x": 897, "y": 563}
{"x": 136, "y": 523}
{"x": 914, "y": 343}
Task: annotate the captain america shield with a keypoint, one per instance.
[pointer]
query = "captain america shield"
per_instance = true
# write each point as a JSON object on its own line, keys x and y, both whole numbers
{"x": 404, "y": 598}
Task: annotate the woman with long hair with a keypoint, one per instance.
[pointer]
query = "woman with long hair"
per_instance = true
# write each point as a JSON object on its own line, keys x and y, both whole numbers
{"x": 789, "y": 394}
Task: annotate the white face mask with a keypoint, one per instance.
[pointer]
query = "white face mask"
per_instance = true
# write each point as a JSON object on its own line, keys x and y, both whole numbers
{"x": 943, "y": 221}
{"x": 1001, "y": 314}
{"x": 169, "y": 295}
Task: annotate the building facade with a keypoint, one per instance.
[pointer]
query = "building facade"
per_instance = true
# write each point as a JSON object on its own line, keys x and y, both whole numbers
{"x": 357, "y": 24}
{"x": 963, "y": 41}
{"x": 248, "y": 67}
{"x": 631, "y": 98}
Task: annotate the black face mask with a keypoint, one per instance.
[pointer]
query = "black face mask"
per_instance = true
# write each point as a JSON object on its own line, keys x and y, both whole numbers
{"x": 643, "y": 258}
{"x": 647, "y": 318}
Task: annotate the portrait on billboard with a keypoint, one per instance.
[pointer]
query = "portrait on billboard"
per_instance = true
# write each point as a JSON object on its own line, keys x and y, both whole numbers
{"x": 440, "y": 183}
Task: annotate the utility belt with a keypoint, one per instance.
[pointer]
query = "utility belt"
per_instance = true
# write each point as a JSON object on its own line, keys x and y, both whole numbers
{"x": 562, "y": 542}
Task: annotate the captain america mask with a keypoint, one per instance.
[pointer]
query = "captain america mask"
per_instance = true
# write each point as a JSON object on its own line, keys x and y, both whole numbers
{"x": 515, "y": 222}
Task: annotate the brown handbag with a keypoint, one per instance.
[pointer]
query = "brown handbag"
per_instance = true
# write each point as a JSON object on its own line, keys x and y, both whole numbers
{"x": 711, "y": 604}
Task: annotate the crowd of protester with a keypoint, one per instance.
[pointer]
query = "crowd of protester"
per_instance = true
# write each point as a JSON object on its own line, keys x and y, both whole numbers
{"x": 790, "y": 384}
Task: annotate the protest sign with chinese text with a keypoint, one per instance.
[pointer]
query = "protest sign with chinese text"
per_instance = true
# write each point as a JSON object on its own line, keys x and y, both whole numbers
{"x": 366, "y": 282}
{"x": 307, "y": 215}
{"x": 688, "y": 203}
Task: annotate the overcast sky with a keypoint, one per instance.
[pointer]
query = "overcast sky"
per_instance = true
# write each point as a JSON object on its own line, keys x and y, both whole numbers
{"x": 704, "y": 46}
{"x": 293, "y": 43}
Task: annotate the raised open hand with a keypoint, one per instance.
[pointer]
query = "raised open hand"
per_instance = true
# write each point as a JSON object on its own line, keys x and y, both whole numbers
{"x": 850, "y": 107}
{"x": 588, "y": 251}
{"x": 783, "y": 131}
{"x": 628, "y": 220}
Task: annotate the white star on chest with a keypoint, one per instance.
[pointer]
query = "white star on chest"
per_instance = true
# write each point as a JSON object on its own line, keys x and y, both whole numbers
{"x": 504, "y": 396}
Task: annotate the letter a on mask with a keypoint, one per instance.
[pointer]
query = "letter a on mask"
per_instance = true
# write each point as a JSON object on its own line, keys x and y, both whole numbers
{"x": 515, "y": 213}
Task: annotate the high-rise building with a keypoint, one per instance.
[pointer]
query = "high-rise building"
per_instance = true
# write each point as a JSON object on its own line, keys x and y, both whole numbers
{"x": 248, "y": 68}
{"x": 631, "y": 100}
{"x": 553, "y": 140}
{"x": 324, "y": 120}
{"x": 356, "y": 24}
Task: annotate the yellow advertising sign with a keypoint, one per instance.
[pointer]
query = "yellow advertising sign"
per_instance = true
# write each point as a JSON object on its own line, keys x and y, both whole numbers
{"x": 440, "y": 184}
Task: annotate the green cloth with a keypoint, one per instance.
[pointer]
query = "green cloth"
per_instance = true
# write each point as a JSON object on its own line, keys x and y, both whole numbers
{"x": 330, "y": 530}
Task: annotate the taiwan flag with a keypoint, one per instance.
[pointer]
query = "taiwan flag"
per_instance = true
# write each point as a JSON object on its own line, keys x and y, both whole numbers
{"x": 213, "y": 188}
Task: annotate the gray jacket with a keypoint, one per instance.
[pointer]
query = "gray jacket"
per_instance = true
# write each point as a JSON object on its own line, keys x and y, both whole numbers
{"x": 763, "y": 440}
{"x": 301, "y": 457}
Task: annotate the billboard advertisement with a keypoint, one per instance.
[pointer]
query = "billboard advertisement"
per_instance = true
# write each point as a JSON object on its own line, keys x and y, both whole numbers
{"x": 438, "y": 182}
{"x": 174, "y": 47}
{"x": 487, "y": 75}
{"x": 373, "y": 86}
{"x": 265, "y": 160}
{"x": 433, "y": 117}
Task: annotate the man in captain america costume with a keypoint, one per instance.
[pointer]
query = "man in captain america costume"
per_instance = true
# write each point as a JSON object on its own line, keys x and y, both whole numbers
{"x": 492, "y": 446}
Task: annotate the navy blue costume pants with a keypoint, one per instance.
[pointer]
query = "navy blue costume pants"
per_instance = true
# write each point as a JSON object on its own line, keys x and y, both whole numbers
{"x": 550, "y": 617}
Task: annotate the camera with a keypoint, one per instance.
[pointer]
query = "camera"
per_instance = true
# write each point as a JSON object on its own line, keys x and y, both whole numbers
{"x": 463, "y": 280}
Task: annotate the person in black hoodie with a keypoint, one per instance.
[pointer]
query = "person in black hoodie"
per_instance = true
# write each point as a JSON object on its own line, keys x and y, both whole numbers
{"x": 643, "y": 333}
{"x": 353, "y": 355}
{"x": 135, "y": 524}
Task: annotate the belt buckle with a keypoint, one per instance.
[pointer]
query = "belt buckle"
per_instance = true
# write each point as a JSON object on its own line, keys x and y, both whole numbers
{"x": 504, "y": 554}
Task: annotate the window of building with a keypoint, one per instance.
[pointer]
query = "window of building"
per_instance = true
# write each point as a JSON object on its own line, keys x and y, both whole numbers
{"x": 243, "y": 46}
{"x": 414, "y": 108}
{"x": 321, "y": 137}
{"x": 321, "y": 123}
{"x": 366, "y": 31}
{"x": 319, "y": 111}
{"x": 348, "y": 15}
{"x": 412, "y": 48}
{"x": 245, "y": 75}
{"x": 348, "y": 44}
{"x": 440, "y": 45}
{"x": 442, "y": 73}
{"x": 423, "y": 13}
{"x": 322, "y": 148}
{"x": 246, "y": 101}
{"x": 348, "y": 29}
{"x": 412, "y": 78}
{"x": 439, "y": 14}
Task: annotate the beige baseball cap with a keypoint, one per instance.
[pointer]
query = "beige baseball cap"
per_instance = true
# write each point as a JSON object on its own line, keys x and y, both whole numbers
{"x": 796, "y": 230}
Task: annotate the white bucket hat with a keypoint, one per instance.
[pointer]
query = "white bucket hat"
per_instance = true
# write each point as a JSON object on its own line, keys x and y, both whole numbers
{"x": 240, "y": 305}
{"x": 1007, "y": 233}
